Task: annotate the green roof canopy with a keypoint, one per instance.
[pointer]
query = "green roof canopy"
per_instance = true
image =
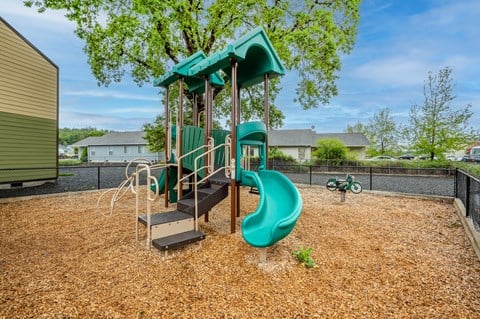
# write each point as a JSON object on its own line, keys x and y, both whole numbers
{"x": 254, "y": 53}
{"x": 195, "y": 84}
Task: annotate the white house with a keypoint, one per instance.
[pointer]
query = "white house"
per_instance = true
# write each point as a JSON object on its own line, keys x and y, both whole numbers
{"x": 300, "y": 143}
{"x": 117, "y": 147}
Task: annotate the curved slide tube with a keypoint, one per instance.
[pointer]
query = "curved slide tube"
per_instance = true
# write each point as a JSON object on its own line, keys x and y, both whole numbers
{"x": 279, "y": 208}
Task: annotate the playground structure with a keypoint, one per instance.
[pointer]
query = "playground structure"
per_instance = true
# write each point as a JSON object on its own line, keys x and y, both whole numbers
{"x": 211, "y": 161}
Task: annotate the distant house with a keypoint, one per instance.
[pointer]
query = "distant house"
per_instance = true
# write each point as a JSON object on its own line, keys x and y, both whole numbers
{"x": 28, "y": 111}
{"x": 296, "y": 143}
{"x": 117, "y": 147}
{"x": 300, "y": 143}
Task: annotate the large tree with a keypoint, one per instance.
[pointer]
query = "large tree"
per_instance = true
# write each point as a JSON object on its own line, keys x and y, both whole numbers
{"x": 358, "y": 127}
{"x": 436, "y": 126}
{"x": 144, "y": 38}
{"x": 381, "y": 131}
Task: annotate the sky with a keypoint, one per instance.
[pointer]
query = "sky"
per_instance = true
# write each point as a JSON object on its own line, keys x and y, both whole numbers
{"x": 398, "y": 43}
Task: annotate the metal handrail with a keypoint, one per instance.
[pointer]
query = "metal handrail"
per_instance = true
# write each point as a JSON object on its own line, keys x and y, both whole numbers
{"x": 210, "y": 170}
{"x": 208, "y": 145}
{"x": 228, "y": 141}
{"x": 133, "y": 161}
{"x": 139, "y": 168}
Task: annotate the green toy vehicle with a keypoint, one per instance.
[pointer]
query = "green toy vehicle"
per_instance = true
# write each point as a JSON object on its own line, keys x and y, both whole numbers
{"x": 349, "y": 183}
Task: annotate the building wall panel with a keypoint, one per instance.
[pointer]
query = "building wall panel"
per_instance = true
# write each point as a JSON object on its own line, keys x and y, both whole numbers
{"x": 27, "y": 142}
{"x": 28, "y": 110}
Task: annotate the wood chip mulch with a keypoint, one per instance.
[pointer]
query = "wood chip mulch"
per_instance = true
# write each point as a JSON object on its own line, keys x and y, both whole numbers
{"x": 377, "y": 256}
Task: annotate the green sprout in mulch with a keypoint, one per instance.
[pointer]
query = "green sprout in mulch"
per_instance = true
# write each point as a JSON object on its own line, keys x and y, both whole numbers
{"x": 304, "y": 256}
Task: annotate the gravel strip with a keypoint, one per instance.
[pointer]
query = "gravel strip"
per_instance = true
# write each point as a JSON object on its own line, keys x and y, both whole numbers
{"x": 87, "y": 178}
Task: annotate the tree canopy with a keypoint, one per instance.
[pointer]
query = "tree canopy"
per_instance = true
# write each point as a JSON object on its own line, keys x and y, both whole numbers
{"x": 69, "y": 136}
{"x": 435, "y": 126}
{"x": 145, "y": 38}
{"x": 382, "y": 132}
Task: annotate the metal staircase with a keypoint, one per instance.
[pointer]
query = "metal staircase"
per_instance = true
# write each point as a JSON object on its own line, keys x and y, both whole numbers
{"x": 177, "y": 228}
{"x": 173, "y": 229}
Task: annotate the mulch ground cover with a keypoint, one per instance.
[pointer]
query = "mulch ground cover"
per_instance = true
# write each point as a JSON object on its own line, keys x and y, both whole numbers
{"x": 376, "y": 257}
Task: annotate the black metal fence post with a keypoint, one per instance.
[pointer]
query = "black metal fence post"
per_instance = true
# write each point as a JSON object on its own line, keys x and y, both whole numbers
{"x": 310, "y": 176}
{"x": 467, "y": 197}
{"x": 455, "y": 183}
{"x": 98, "y": 177}
{"x": 371, "y": 177}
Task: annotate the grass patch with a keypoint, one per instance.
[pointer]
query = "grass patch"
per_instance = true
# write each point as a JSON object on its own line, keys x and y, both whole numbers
{"x": 69, "y": 162}
{"x": 66, "y": 174}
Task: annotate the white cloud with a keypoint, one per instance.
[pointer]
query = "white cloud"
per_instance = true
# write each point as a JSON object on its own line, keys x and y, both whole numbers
{"x": 52, "y": 20}
{"x": 151, "y": 110}
{"x": 392, "y": 71}
{"x": 111, "y": 94}
{"x": 102, "y": 121}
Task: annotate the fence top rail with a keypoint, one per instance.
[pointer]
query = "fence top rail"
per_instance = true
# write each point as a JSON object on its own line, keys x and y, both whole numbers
{"x": 468, "y": 175}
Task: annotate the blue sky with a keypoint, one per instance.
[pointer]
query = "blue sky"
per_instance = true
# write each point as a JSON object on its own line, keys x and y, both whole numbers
{"x": 397, "y": 44}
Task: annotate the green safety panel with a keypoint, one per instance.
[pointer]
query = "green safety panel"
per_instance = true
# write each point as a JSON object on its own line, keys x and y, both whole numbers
{"x": 219, "y": 137}
{"x": 193, "y": 137}
{"x": 172, "y": 181}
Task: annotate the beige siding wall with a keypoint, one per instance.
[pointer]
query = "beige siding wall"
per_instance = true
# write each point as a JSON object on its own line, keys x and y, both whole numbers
{"x": 28, "y": 81}
{"x": 28, "y": 111}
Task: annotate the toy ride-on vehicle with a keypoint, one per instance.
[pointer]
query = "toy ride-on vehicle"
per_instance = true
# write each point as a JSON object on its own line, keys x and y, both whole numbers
{"x": 349, "y": 183}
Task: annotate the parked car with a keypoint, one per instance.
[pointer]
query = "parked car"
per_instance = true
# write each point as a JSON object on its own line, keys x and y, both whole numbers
{"x": 474, "y": 155}
{"x": 381, "y": 158}
{"x": 452, "y": 158}
{"x": 407, "y": 157}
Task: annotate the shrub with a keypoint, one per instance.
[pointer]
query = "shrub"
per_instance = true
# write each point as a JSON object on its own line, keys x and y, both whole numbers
{"x": 276, "y": 154}
{"x": 84, "y": 156}
{"x": 330, "y": 149}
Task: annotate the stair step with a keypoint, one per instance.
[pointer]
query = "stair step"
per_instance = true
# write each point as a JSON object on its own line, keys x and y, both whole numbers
{"x": 208, "y": 197}
{"x": 178, "y": 240}
{"x": 164, "y": 218}
{"x": 210, "y": 190}
{"x": 220, "y": 177}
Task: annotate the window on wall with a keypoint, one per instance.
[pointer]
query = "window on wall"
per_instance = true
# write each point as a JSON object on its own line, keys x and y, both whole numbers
{"x": 139, "y": 148}
{"x": 125, "y": 149}
{"x": 301, "y": 153}
{"x": 92, "y": 153}
{"x": 110, "y": 151}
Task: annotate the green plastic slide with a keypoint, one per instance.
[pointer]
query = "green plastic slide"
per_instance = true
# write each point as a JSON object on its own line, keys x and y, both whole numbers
{"x": 278, "y": 210}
